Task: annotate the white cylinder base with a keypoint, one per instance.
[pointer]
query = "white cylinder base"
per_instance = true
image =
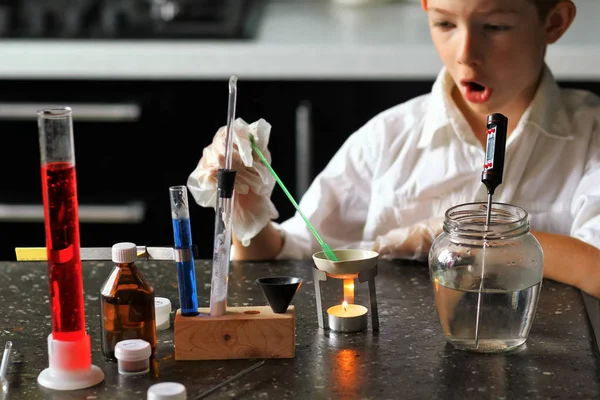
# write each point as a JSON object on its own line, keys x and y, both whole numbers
{"x": 65, "y": 371}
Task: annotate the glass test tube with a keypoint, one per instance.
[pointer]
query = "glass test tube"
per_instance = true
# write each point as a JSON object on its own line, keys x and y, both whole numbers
{"x": 184, "y": 258}
{"x": 59, "y": 190}
{"x": 221, "y": 253}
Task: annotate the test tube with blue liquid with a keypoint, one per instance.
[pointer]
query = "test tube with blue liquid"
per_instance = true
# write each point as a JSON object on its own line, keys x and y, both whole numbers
{"x": 184, "y": 258}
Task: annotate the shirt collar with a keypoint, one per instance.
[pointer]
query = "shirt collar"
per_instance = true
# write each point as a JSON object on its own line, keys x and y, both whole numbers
{"x": 546, "y": 112}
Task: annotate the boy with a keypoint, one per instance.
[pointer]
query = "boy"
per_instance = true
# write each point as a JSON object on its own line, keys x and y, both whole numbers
{"x": 389, "y": 185}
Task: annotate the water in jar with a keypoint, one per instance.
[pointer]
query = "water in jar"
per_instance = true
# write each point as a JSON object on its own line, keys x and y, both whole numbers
{"x": 509, "y": 301}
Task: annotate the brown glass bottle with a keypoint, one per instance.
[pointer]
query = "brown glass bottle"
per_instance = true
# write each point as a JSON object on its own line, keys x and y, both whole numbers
{"x": 127, "y": 302}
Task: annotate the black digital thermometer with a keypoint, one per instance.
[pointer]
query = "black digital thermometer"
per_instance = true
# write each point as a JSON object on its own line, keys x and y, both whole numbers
{"x": 493, "y": 167}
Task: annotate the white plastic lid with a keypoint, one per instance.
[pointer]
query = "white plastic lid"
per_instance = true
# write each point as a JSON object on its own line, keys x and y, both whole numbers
{"x": 167, "y": 391}
{"x": 125, "y": 252}
{"x": 162, "y": 305}
{"x": 132, "y": 350}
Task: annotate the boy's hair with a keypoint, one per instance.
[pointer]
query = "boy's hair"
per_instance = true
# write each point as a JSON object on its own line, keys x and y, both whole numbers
{"x": 544, "y": 6}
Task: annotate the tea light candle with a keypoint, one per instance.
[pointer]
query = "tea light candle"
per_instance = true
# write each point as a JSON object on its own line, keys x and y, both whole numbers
{"x": 347, "y": 317}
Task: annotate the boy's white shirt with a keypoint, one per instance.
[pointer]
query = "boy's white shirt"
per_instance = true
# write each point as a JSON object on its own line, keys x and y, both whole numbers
{"x": 414, "y": 161}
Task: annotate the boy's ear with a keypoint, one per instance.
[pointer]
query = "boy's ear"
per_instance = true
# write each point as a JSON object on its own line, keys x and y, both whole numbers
{"x": 424, "y": 4}
{"x": 559, "y": 19}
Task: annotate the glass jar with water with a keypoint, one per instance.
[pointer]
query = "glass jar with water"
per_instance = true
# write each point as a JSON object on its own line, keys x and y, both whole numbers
{"x": 486, "y": 278}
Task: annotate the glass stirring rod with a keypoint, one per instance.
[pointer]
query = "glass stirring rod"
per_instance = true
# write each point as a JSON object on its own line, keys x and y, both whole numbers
{"x": 491, "y": 177}
{"x": 329, "y": 253}
{"x": 223, "y": 212}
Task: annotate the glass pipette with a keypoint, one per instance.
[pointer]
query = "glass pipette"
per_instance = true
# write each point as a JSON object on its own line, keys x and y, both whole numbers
{"x": 223, "y": 211}
{"x": 493, "y": 169}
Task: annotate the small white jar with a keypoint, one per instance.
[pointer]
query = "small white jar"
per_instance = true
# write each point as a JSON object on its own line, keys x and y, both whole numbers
{"x": 167, "y": 391}
{"x": 162, "y": 310}
{"x": 133, "y": 356}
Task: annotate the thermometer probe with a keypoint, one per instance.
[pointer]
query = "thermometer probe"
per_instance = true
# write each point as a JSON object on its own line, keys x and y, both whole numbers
{"x": 491, "y": 177}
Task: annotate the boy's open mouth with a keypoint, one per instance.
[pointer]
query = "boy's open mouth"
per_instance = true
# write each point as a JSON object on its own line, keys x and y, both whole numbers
{"x": 475, "y": 92}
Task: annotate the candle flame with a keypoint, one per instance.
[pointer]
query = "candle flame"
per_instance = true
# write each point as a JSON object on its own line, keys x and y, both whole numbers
{"x": 345, "y": 305}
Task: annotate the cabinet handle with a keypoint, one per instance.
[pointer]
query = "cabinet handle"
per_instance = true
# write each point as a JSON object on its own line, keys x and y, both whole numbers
{"x": 303, "y": 147}
{"x": 81, "y": 111}
{"x": 92, "y": 213}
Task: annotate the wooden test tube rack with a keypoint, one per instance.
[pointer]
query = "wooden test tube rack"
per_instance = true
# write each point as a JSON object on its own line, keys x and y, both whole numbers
{"x": 242, "y": 333}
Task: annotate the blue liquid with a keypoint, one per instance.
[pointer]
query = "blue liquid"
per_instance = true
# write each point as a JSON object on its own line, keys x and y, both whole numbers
{"x": 186, "y": 274}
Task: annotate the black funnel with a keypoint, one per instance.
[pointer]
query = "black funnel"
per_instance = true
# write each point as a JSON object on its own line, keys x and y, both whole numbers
{"x": 279, "y": 291}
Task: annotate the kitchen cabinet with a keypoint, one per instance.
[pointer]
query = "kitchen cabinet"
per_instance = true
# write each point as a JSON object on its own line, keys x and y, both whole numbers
{"x": 134, "y": 139}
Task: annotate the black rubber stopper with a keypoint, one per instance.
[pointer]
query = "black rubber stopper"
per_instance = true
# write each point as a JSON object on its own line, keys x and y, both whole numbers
{"x": 225, "y": 182}
{"x": 279, "y": 291}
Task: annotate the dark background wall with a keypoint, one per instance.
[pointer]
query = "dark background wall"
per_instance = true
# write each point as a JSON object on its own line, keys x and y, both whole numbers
{"x": 137, "y": 161}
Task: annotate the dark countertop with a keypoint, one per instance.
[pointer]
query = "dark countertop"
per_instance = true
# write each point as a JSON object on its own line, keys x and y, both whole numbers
{"x": 407, "y": 359}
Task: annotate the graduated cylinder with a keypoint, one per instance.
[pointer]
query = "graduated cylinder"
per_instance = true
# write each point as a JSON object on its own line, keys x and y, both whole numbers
{"x": 69, "y": 348}
{"x": 59, "y": 190}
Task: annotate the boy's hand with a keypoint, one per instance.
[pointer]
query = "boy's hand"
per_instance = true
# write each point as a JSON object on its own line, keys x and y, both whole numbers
{"x": 253, "y": 182}
{"x": 410, "y": 243}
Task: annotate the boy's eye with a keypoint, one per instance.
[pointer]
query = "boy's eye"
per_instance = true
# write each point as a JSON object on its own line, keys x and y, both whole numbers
{"x": 443, "y": 25}
{"x": 496, "y": 28}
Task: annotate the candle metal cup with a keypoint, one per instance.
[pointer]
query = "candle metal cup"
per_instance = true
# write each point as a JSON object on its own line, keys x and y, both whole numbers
{"x": 338, "y": 322}
{"x": 352, "y": 264}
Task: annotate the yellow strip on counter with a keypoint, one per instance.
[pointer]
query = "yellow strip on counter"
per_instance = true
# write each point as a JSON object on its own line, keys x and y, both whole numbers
{"x": 31, "y": 253}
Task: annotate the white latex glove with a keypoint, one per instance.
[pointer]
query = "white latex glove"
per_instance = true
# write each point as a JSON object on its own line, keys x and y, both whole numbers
{"x": 409, "y": 243}
{"x": 252, "y": 208}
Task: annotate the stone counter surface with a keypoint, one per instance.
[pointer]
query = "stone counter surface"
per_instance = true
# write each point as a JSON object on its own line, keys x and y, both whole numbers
{"x": 407, "y": 359}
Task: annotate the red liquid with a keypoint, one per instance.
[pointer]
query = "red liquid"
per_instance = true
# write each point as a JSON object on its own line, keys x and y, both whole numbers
{"x": 62, "y": 243}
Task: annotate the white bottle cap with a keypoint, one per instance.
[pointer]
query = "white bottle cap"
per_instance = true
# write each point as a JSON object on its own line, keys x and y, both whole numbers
{"x": 124, "y": 253}
{"x": 162, "y": 309}
{"x": 132, "y": 350}
{"x": 167, "y": 391}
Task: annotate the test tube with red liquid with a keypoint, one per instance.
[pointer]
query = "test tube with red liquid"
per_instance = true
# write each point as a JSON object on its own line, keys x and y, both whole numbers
{"x": 69, "y": 346}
